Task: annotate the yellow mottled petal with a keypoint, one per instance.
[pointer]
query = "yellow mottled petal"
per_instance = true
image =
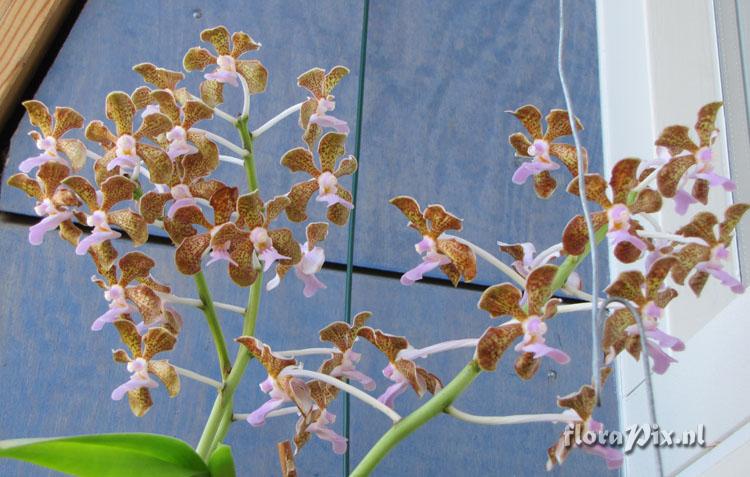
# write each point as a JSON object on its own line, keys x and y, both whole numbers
{"x": 133, "y": 224}
{"x": 314, "y": 81}
{"x": 254, "y": 73}
{"x": 120, "y": 110}
{"x": 331, "y": 147}
{"x": 218, "y": 37}
{"x": 198, "y": 58}
{"x": 159, "y": 77}
{"x": 39, "y": 115}
{"x": 66, "y": 119}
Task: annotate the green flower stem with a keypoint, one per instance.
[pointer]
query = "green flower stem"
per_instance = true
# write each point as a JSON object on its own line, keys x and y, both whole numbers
{"x": 220, "y": 419}
{"x": 416, "y": 419}
{"x": 572, "y": 261}
{"x": 213, "y": 323}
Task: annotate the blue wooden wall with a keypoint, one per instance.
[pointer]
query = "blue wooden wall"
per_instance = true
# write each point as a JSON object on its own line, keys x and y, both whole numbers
{"x": 437, "y": 78}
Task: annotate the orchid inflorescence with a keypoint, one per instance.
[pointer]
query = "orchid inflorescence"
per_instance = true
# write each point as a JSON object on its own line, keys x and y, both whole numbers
{"x": 158, "y": 175}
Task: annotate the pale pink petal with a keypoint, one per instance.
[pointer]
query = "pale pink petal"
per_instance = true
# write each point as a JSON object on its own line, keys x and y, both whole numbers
{"x": 715, "y": 180}
{"x": 132, "y": 384}
{"x": 540, "y": 350}
{"x": 269, "y": 256}
{"x": 258, "y": 417}
{"x": 726, "y": 279}
{"x": 416, "y": 273}
{"x": 393, "y": 391}
{"x": 28, "y": 164}
{"x": 312, "y": 283}
{"x": 178, "y": 204}
{"x": 95, "y": 238}
{"x": 613, "y": 457}
{"x": 683, "y": 200}
{"x": 332, "y": 198}
{"x": 36, "y": 232}
{"x": 327, "y": 121}
{"x": 223, "y": 76}
{"x": 110, "y": 316}
{"x": 661, "y": 359}
{"x": 666, "y": 340}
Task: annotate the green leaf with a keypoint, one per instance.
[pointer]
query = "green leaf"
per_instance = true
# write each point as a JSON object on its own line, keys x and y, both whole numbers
{"x": 221, "y": 462}
{"x": 109, "y": 455}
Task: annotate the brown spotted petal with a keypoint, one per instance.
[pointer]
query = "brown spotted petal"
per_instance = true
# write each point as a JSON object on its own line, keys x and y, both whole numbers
{"x": 493, "y": 343}
{"x": 624, "y": 178}
{"x": 255, "y": 74}
{"x": 347, "y": 167}
{"x": 558, "y": 124}
{"x": 141, "y": 97}
{"x": 566, "y": 153}
{"x": 242, "y": 43}
{"x": 313, "y": 80}
{"x": 502, "y": 300}
{"x": 147, "y": 302}
{"x": 225, "y": 233}
{"x": 687, "y": 258}
{"x": 224, "y": 202}
{"x": 300, "y": 159}
{"x": 668, "y": 178}
{"x": 520, "y": 143}
{"x": 389, "y": 345}
{"x": 262, "y": 352}
{"x": 657, "y": 274}
{"x": 159, "y": 164}
{"x": 197, "y": 58}
{"x": 331, "y": 147}
{"x": 539, "y": 288}
{"x": 218, "y": 37}
{"x": 157, "y": 340}
{"x": 575, "y": 236}
{"x": 284, "y": 243}
{"x": 195, "y": 111}
{"x": 286, "y": 459}
{"x": 201, "y": 164}
{"x": 732, "y": 216}
{"x": 212, "y": 92}
{"x": 153, "y": 125}
{"x": 129, "y": 336}
{"x": 243, "y": 274}
{"x": 116, "y": 189}
{"x": 120, "y": 110}
{"x": 676, "y": 138}
{"x": 462, "y": 257}
{"x": 83, "y": 189}
{"x": 39, "y": 115}
{"x": 133, "y": 224}
{"x": 441, "y": 220}
{"x": 27, "y": 184}
{"x": 410, "y": 208}
{"x": 66, "y": 119}
{"x": 250, "y": 209}
{"x": 140, "y": 401}
{"x": 615, "y": 338}
{"x": 343, "y": 335}
{"x": 702, "y": 226}
{"x": 275, "y": 207}
{"x": 104, "y": 255}
{"x": 315, "y": 232}
{"x": 706, "y": 124}
{"x": 526, "y": 366}
{"x": 626, "y": 252}
{"x": 544, "y": 185}
{"x": 151, "y": 205}
{"x": 648, "y": 200}
{"x": 50, "y": 175}
{"x": 167, "y": 374}
{"x": 120, "y": 356}
{"x": 698, "y": 281}
{"x": 181, "y": 226}
{"x": 337, "y": 213}
{"x": 190, "y": 252}
{"x": 96, "y": 131}
{"x": 629, "y": 285}
{"x": 299, "y": 196}
{"x": 596, "y": 189}
{"x": 333, "y": 78}
{"x": 69, "y": 232}
{"x": 135, "y": 266}
{"x": 531, "y": 118}
{"x": 582, "y": 402}
{"x": 160, "y": 77}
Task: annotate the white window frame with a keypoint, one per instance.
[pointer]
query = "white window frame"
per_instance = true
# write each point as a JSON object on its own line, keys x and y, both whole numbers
{"x": 659, "y": 62}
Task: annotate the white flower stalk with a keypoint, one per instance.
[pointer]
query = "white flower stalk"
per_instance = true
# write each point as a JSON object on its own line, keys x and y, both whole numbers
{"x": 276, "y": 119}
{"x": 357, "y": 393}
{"x": 223, "y": 141}
{"x": 491, "y": 259}
{"x": 197, "y": 377}
{"x": 292, "y": 353}
{"x": 92, "y": 155}
{"x": 232, "y": 160}
{"x": 169, "y": 298}
{"x": 411, "y": 354}
{"x": 245, "y": 97}
{"x": 284, "y": 411}
{"x": 672, "y": 237}
{"x": 507, "y": 420}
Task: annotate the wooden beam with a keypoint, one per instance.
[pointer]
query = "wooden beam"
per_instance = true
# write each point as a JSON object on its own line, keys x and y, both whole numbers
{"x": 26, "y": 29}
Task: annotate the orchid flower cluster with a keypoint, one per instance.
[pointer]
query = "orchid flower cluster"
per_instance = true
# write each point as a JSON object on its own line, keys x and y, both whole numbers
{"x": 154, "y": 171}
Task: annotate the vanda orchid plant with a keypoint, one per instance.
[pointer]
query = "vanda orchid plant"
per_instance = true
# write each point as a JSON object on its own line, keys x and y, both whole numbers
{"x": 154, "y": 171}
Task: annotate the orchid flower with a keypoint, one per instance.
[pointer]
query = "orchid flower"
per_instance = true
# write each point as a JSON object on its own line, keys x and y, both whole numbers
{"x": 126, "y": 299}
{"x": 184, "y": 112}
{"x": 619, "y": 212}
{"x": 313, "y": 117}
{"x": 141, "y": 365}
{"x": 126, "y": 151}
{"x": 310, "y": 398}
{"x": 114, "y": 190}
{"x": 343, "y": 364}
{"x": 650, "y": 295}
{"x": 324, "y": 179}
{"x": 525, "y": 261}
{"x": 691, "y": 161}
{"x": 541, "y": 149}
{"x": 228, "y": 65}
{"x": 50, "y": 140}
{"x": 313, "y": 258}
{"x": 455, "y": 259}
{"x": 54, "y": 203}
{"x": 402, "y": 371}
{"x": 580, "y": 405}
{"x": 710, "y": 259}
{"x": 505, "y": 300}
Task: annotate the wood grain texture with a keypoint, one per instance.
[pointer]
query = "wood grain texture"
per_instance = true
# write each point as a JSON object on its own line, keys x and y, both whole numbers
{"x": 26, "y": 29}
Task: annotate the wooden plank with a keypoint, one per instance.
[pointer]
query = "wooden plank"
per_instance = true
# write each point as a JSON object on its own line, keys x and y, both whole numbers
{"x": 57, "y": 374}
{"x": 438, "y": 80}
{"x": 427, "y": 314}
{"x": 26, "y": 29}
{"x": 110, "y": 37}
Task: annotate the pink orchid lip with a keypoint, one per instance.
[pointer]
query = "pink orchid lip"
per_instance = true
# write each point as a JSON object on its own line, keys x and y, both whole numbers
{"x": 226, "y": 72}
{"x": 328, "y": 191}
{"x": 150, "y": 109}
